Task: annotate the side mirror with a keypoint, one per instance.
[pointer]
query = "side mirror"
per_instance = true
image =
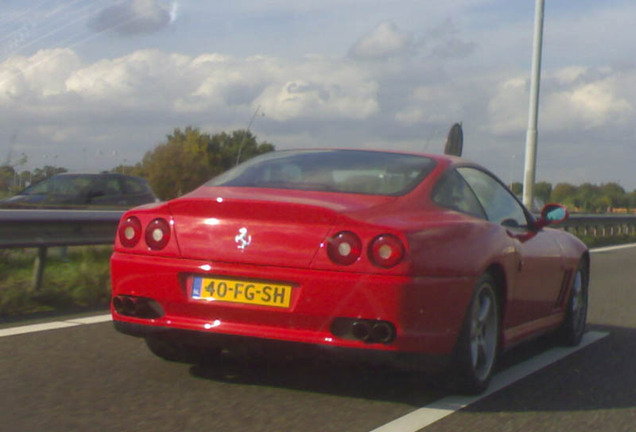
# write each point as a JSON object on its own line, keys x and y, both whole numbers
{"x": 552, "y": 214}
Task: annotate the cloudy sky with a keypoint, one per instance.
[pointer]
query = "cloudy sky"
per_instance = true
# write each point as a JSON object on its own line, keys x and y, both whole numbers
{"x": 91, "y": 84}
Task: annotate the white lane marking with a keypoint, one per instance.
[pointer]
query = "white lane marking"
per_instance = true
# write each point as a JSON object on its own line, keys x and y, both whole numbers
{"x": 34, "y": 328}
{"x": 437, "y": 410}
{"x": 612, "y": 248}
{"x": 92, "y": 319}
{"x": 413, "y": 421}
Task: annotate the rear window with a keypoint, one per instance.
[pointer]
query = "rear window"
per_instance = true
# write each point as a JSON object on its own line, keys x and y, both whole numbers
{"x": 349, "y": 171}
{"x": 133, "y": 185}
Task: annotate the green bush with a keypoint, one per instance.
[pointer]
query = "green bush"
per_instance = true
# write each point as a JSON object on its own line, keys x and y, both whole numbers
{"x": 76, "y": 278}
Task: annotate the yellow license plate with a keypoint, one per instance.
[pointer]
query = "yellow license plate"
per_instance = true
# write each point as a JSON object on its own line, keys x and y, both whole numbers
{"x": 236, "y": 291}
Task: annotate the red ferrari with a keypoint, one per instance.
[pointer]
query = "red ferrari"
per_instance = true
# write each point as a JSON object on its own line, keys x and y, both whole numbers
{"x": 423, "y": 261}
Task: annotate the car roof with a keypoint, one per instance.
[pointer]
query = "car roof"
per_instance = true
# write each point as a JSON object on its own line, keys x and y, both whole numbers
{"x": 93, "y": 174}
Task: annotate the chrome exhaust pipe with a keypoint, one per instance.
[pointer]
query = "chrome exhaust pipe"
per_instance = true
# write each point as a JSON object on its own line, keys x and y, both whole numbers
{"x": 361, "y": 330}
{"x": 128, "y": 306}
{"x": 382, "y": 332}
{"x": 118, "y": 305}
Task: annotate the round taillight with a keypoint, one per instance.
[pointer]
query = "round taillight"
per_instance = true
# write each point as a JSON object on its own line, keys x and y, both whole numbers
{"x": 157, "y": 234}
{"x": 129, "y": 232}
{"x": 386, "y": 251}
{"x": 344, "y": 248}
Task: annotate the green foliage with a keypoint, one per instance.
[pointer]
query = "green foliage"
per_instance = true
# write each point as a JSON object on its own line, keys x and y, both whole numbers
{"x": 12, "y": 181}
{"x": 133, "y": 170}
{"x": 177, "y": 166}
{"x": 80, "y": 279}
{"x": 86, "y": 281}
{"x": 189, "y": 158}
{"x": 45, "y": 172}
{"x": 591, "y": 198}
{"x": 543, "y": 191}
{"x": 7, "y": 176}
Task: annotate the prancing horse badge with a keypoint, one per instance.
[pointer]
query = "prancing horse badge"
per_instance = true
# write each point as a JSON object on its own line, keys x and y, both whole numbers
{"x": 243, "y": 239}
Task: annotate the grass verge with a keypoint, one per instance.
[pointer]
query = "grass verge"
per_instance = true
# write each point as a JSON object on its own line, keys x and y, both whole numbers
{"x": 74, "y": 278}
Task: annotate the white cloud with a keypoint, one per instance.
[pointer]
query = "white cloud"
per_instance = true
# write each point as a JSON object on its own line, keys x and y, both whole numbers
{"x": 447, "y": 43}
{"x": 600, "y": 103}
{"x": 435, "y": 104}
{"x": 401, "y": 85}
{"x": 154, "y": 80}
{"x": 320, "y": 88}
{"x": 570, "y": 98}
{"x": 145, "y": 79}
{"x": 508, "y": 107}
{"x": 141, "y": 96}
{"x": 36, "y": 77}
{"x": 384, "y": 41}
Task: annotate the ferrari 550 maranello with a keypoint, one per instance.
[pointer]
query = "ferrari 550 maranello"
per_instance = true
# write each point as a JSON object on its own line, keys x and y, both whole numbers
{"x": 423, "y": 261}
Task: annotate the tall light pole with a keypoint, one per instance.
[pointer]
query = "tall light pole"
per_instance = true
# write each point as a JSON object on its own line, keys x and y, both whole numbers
{"x": 533, "y": 114}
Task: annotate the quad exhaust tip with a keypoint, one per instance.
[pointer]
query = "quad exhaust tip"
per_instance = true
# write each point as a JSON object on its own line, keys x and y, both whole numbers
{"x": 364, "y": 330}
{"x": 139, "y": 307}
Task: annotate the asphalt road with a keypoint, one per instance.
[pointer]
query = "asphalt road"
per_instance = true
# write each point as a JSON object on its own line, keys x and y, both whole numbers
{"x": 90, "y": 378}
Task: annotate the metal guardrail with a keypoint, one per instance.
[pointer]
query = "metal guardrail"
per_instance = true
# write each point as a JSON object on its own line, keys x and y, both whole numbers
{"x": 600, "y": 225}
{"x": 48, "y": 228}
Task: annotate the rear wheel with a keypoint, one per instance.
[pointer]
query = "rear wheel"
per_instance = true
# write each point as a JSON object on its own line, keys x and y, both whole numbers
{"x": 478, "y": 344}
{"x": 172, "y": 350}
{"x": 573, "y": 327}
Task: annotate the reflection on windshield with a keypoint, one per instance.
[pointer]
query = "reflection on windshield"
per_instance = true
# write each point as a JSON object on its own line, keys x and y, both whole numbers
{"x": 362, "y": 172}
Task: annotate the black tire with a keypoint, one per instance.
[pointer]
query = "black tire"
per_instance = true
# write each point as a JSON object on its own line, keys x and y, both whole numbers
{"x": 171, "y": 350}
{"x": 571, "y": 331}
{"x": 478, "y": 344}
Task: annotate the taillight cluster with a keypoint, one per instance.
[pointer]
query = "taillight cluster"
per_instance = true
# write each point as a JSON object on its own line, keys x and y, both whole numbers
{"x": 386, "y": 251}
{"x": 156, "y": 234}
{"x": 345, "y": 248}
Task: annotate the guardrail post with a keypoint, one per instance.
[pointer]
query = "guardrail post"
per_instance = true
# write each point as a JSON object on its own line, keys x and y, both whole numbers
{"x": 38, "y": 268}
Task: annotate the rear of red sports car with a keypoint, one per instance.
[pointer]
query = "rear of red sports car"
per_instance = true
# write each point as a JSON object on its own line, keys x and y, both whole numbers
{"x": 330, "y": 266}
{"x": 395, "y": 257}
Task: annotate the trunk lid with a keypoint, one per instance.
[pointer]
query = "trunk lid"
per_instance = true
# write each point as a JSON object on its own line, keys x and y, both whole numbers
{"x": 260, "y": 226}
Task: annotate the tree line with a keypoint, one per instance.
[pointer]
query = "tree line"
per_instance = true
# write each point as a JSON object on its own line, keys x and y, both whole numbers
{"x": 585, "y": 198}
{"x": 184, "y": 161}
{"x": 188, "y": 158}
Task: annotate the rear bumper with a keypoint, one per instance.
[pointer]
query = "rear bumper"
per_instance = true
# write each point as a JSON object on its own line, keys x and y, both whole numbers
{"x": 425, "y": 313}
{"x": 282, "y": 349}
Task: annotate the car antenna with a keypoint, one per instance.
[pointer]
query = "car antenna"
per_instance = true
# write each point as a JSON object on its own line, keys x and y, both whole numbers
{"x": 247, "y": 131}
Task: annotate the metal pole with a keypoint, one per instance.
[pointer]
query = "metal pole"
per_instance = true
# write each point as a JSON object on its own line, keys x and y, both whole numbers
{"x": 38, "y": 268}
{"x": 533, "y": 114}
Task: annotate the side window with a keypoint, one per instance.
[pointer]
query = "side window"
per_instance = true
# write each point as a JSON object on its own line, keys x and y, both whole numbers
{"x": 454, "y": 193}
{"x": 113, "y": 187}
{"x": 500, "y": 205}
{"x": 106, "y": 186}
{"x": 134, "y": 186}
